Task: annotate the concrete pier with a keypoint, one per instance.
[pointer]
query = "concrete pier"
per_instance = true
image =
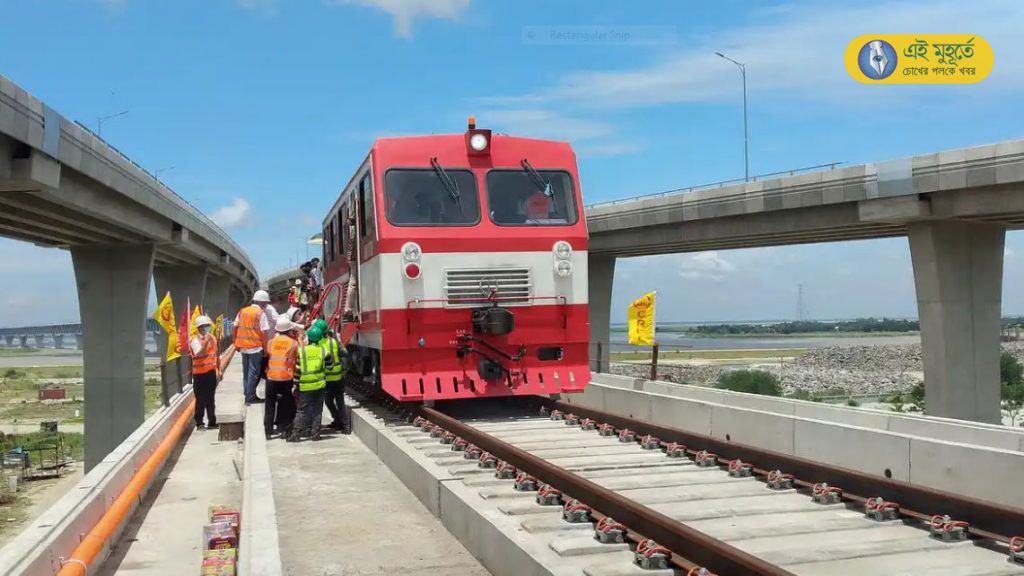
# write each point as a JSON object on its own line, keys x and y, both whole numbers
{"x": 958, "y": 272}
{"x": 602, "y": 276}
{"x": 113, "y": 293}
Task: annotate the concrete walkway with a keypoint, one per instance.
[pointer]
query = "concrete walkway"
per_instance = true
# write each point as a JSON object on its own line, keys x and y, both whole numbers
{"x": 340, "y": 511}
{"x": 166, "y": 534}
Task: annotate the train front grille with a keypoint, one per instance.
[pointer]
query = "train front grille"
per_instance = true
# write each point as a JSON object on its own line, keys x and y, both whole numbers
{"x": 467, "y": 286}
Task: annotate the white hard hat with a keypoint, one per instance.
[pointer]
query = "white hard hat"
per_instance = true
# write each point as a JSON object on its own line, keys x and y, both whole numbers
{"x": 284, "y": 324}
{"x": 298, "y": 281}
{"x": 203, "y": 321}
{"x": 261, "y": 296}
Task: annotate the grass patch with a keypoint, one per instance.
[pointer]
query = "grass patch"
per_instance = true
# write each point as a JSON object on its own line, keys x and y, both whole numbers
{"x": 41, "y": 372}
{"x": 74, "y": 442}
{"x": 626, "y": 355}
{"x": 63, "y": 411}
{"x": 15, "y": 352}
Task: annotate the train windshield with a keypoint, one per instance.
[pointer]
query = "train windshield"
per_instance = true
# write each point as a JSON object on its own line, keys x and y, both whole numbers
{"x": 531, "y": 197}
{"x": 445, "y": 197}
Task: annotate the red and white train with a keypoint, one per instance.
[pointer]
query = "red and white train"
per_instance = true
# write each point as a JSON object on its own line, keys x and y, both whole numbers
{"x": 471, "y": 254}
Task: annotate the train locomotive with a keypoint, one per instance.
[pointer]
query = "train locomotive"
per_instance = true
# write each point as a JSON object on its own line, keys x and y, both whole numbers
{"x": 469, "y": 254}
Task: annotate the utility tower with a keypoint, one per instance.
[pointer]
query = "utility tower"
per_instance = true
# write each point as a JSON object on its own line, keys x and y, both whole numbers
{"x": 801, "y": 315}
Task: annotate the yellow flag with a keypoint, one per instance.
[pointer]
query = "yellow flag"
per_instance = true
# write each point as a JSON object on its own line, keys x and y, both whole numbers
{"x": 164, "y": 316}
{"x": 641, "y": 319}
{"x": 218, "y": 327}
{"x": 192, "y": 330}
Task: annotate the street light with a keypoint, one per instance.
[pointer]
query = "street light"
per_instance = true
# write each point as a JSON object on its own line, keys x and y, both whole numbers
{"x": 746, "y": 153}
{"x": 156, "y": 173}
{"x": 102, "y": 119}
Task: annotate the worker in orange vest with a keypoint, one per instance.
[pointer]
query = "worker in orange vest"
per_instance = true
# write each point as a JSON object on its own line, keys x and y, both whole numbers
{"x": 205, "y": 372}
{"x": 251, "y": 336}
{"x": 280, "y": 407}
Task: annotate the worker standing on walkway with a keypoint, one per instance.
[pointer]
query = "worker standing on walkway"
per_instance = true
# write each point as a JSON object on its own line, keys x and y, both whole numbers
{"x": 251, "y": 329}
{"x": 353, "y": 272}
{"x": 311, "y": 372}
{"x": 205, "y": 372}
{"x": 280, "y": 406}
{"x": 268, "y": 335}
{"x": 335, "y": 392}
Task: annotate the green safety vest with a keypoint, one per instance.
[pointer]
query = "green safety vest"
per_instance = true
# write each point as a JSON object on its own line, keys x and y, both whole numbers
{"x": 336, "y": 372}
{"x": 311, "y": 362}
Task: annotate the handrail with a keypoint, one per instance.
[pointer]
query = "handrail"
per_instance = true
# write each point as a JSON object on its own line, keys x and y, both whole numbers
{"x": 721, "y": 184}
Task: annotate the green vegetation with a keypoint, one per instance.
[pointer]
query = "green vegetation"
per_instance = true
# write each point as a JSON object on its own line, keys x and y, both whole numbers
{"x": 63, "y": 411}
{"x": 862, "y": 325}
{"x": 751, "y": 382}
{"x": 42, "y": 372}
{"x": 15, "y": 352}
{"x": 1012, "y": 387}
{"x": 74, "y": 442}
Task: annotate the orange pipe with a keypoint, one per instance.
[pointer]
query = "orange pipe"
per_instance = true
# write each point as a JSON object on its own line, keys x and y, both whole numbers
{"x": 93, "y": 543}
{"x": 91, "y": 546}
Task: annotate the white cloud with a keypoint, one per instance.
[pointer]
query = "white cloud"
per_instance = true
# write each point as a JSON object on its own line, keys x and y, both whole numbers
{"x": 406, "y": 12}
{"x": 591, "y": 138}
{"x": 233, "y": 214}
{"x": 705, "y": 266}
{"x": 264, "y": 6}
{"x": 791, "y": 50}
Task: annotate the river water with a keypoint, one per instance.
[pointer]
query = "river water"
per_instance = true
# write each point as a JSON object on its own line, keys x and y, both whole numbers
{"x": 674, "y": 339}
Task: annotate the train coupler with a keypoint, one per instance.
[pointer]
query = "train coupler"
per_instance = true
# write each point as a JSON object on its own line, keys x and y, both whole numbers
{"x": 505, "y": 471}
{"x": 608, "y": 531}
{"x": 575, "y": 512}
{"x": 946, "y": 529}
{"x": 472, "y": 452}
{"x": 740, "y": 469}
{"x": 548, "y": 496}
{"x": 1017, "y": 549}
{"x": 649, "y": 442}
{"x": 588, "y": 424}
{"x": 557, "y": 415}
{"x": 675, "y": 450}
{"x": 525, "y": 483}
{"x": 779, "y": 481}
{"x": 448, "y": 438}
{"x": 487, "y": 460}
{"x": 460, "y": 445}
{"x": 606, "y": 430}
{"x": 880, "y": 510}
{"x": 571, "y": 419}
{"x": 651, "y": 556}
{"x": 627, "y": 435}
{"x": 822, "y": 493}
{"x": 706, "y": 459}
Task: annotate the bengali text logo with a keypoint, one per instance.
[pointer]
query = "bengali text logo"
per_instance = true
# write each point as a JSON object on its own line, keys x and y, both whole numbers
{"x": 919, "y": 59}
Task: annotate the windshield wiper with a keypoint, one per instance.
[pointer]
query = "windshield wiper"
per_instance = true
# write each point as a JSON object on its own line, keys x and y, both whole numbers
{"x": 542, "y": 183}
{"x": 449, "y": 184}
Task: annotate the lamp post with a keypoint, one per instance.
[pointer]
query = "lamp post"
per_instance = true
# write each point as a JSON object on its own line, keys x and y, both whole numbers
{"x": 746, "y": 154}
{"x": 102, "y": 119}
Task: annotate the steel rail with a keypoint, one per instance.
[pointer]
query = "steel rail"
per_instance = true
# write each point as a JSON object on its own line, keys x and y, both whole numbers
{"x": 985, "y": 519}
{"x": 692, "y": 545}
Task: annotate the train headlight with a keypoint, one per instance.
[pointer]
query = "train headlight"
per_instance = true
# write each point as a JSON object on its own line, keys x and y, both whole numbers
{"x": 478, "y": 142}
{"x": 563, "y": 268}
{"x": 562, "y": 250}
{"x": 411, "y": 252}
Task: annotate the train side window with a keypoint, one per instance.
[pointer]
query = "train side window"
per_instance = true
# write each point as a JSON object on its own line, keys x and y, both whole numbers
{"x": 333, "y": 248}
{"x": 366, "y": 203}
{"x": 325, "y": 245}
{"x": 342, "y": 230}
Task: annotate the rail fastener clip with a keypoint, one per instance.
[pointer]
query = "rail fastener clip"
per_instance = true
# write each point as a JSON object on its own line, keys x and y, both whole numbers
{"x": 608, "y": 531}
{"x": 549, "y": 496}
{"x": 649, "y": 442}
{"x": 879, "y": 509}
{"x": 575, "y": 512}
{"x": 675, "y": 450}
{"x": 779, "y": 481}
{"x": 944, "y": 528}
{"x": 706, "y": 459}
{"x": 822, "y": 493}
{"x": 505, "y": 471}
{"x": 651, "y": 555}
{"x": 525, "y": 483}
{"x": 606, "y": 430}
{"x": 588, "y": 424}
{"x": 627, "y": 435}
{"x": 740, "y": 469}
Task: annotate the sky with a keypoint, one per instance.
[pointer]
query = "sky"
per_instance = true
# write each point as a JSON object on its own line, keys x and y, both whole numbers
{"x": 258, "y": 111}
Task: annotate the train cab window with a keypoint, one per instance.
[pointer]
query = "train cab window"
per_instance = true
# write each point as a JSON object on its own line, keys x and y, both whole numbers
{"x": 366, "y": 205}
{"x": 343, "y": 239}
{"x": 325, "y": 244}
{"x": 427, "y": 197}
{"x": 519, "y": 198}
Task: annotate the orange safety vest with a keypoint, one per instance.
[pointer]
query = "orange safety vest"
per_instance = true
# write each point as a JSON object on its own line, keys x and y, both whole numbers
{"x": 206, "y": 360}
{"x": 248, "y": 333}
{"x": 281, "y": 365}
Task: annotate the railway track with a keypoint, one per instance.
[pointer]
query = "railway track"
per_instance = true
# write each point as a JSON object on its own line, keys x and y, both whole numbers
{"x": 614, "y": 496}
